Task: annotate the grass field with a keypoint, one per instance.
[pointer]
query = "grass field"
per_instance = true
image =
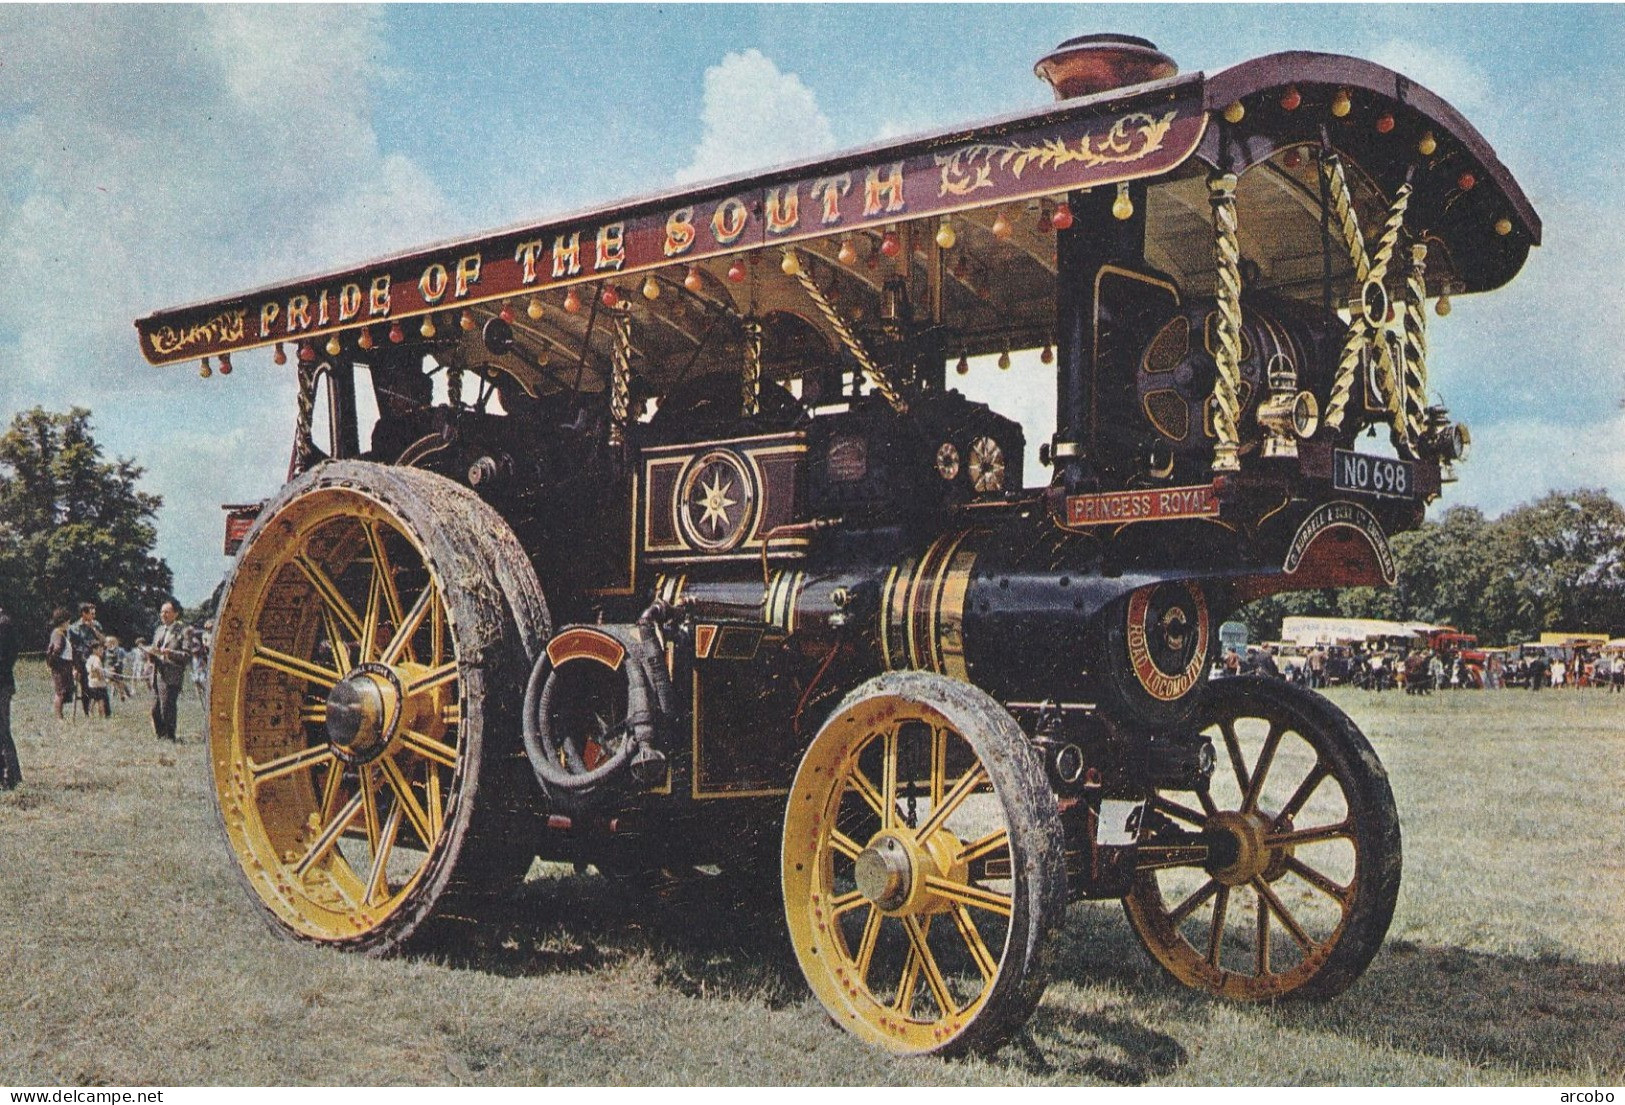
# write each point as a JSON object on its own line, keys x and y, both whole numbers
{"x": 129, "y": 954}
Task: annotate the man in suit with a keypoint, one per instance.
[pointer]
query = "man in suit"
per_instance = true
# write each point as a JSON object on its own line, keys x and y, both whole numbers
{"x": 168, "y": 652}
{"x": 11, "y": 773}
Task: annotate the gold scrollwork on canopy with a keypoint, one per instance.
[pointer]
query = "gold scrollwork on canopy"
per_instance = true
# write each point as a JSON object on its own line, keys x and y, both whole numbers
{"x": 227, "y": 326}
{"x": 1130, "y": 138}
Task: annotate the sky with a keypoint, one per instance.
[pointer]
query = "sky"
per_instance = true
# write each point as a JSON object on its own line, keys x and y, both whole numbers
{"x": 151, "y": 156}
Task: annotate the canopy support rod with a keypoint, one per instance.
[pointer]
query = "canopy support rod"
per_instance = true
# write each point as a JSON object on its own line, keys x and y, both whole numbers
{"x": 877, "y": 376}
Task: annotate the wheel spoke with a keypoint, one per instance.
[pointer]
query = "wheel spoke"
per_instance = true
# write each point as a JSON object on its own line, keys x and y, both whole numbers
{"x": 866, "y": 943}
{"x": 333, "y": 602}
{"x": 313, "y": 713}
{"x": 928, "y": 965}
{"x": 451, "y": 714}
{"x": 330, "y": 790}
{"x": 402, "y": 641}
{"x": 375, "y": 877}
{"x": 1339, "y": 831}
{"x": 369, "y": 807}
{"x": 383, "y": 573}
{"x": 434, "y": 677}
{"x": 323, "y": 844}
{"x": 844, "y": 844}
{"x": 984, "y": 846}
{"x": 335, "y": 640}
{"x": 1191, "y": 904}
{"x": 903, "y": 1002}
{"x": 963, "y": 789}
{"x": 843, "y": 904}
{"x": 307, "y": 670}
{"x": 1184, "y": 813}
{"x": 1266, "y": 757}
{"x": 430, "y": 749}
{"x": 967, "y": 894}
{"x": 888, "y": 778}
{"x": 1288, "y": 922}
{"x": 431, "y": 790}
{"x": 939, "y": 764}
{"x": 1215, "y": 936}
{"x": 863, "y": 788}
{"x": 985, "y": 963}
{"x": 1318, "y": 881}
{"x": 370, "y": 618}
{"x": 1209, "y": 806}
{"x": 1306, "y": 788}
{"x": 302, "y": 760}
{"x": 404, "y": 797}
{"x": 437, "y": 635}
{"x": 1261, "y": 955}
{"x": 1233, "y": 746}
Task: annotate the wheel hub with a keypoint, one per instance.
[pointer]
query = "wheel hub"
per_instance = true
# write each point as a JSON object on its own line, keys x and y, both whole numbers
{"x": 885, "y": 872}
{"x": 364, "y": 713}
{"x": 1252, "y": 855}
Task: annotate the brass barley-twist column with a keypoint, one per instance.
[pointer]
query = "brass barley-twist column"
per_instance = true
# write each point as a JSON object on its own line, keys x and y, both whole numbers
{"x": 877, "y": 376}
{"x": 750, "y": 390}
{"x": 1227, "y": 264}
{"x": 304, "y": 448}
{"x": 1348, "y": 227}
{"x": 1416, "y": 351}
{"x": 620, "y": 378}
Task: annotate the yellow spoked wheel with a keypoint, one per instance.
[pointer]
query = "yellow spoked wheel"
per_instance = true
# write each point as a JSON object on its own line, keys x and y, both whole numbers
{"x": 1302, "y": 864}
{"x": 366, "y": 681}
{"x": 923, "y": 866}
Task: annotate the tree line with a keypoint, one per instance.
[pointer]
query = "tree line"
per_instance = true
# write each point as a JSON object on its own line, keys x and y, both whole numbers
{"x": 1556, "y": 564}
{"x": 75, "y": 527}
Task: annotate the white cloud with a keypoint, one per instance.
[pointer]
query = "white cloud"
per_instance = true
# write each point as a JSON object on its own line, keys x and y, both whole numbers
{"x": 755, "y": 116}
{"x": 150, "y": 156}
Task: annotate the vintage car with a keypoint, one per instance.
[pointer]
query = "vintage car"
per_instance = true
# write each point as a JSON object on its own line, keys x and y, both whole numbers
{"x": 673, "y": 544}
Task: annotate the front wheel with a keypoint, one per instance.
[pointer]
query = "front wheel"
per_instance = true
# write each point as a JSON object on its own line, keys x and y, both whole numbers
{"x": 1302, "y": 860}
{"x": 923, "y": 866}
{"x": 363, "y": 709}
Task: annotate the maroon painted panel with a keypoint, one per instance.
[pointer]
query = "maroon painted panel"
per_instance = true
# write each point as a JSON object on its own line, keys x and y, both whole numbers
{"x": 1018, "y": 159}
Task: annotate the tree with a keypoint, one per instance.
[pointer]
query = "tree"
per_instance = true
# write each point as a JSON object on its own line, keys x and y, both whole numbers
{"x": 74, "y": 527}
{"x": 1565, "y": 563}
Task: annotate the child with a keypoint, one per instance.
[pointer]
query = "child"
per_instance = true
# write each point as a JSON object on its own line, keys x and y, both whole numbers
{"x": 96, "y": 682}
{"x": 117, "y": 661}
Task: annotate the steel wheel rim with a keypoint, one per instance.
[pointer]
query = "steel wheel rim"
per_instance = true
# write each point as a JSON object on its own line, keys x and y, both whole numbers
{"x": 1296, "y": 874}
{"x": 336, "y": 820}
{"x": 948, "y": 920}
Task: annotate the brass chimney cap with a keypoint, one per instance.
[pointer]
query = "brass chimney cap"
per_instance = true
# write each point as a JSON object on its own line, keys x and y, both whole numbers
{"x": 1088, "y": 64}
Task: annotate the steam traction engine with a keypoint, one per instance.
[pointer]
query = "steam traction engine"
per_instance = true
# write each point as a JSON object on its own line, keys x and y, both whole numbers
{"x": 671, "y": 543}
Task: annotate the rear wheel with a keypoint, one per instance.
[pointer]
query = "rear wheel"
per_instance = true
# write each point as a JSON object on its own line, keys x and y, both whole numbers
{"x": 363, "y": 712}
{"x": 923, "y": 866}
{"x": 1303, "y": 862}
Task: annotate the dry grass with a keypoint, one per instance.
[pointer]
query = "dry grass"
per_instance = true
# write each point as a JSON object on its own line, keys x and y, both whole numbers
{"x": 128, "y": 953}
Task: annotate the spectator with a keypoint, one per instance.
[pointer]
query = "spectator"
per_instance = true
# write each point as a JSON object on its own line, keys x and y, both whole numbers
{"x": 1602, "y": 672}
{"x": 11, "y": 772}
{"x": 168, "y": 653}
{"x": 118, "y": 669}
{"x": 1232, "y": 662}
{"x": 1560, "y": 672}
{"x": 86, "y": 632}
{"x": 1317, "y": 667}
{"x": 59, "y": 659}
{"x": 96, "y": 681}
